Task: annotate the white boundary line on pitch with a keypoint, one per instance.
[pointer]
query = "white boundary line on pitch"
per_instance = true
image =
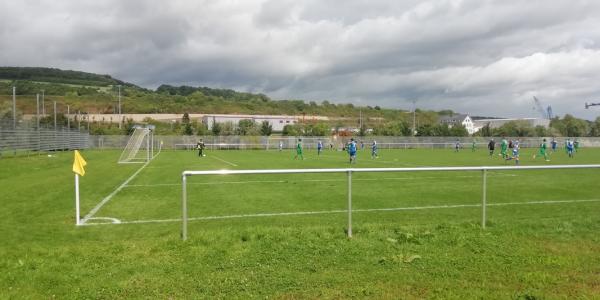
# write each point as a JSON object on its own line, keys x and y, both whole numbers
{"x": 311, "y": 180}
{"x": 111, "y": 195}
{"x": 340, "y": 211}
{"x": 217, "y": 158}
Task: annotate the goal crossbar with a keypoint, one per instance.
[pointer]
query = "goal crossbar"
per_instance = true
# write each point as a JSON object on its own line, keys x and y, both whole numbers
{"x": 349, "y": 172}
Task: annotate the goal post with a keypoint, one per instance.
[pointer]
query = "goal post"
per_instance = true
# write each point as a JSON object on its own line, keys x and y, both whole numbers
{"x": 140, "y": 147}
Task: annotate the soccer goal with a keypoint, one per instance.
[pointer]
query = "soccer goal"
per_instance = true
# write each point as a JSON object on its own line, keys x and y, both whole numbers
{"x": 140, "y": 147}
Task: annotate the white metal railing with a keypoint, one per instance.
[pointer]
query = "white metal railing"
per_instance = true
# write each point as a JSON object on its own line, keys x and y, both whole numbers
{"x": 349, "y": 172}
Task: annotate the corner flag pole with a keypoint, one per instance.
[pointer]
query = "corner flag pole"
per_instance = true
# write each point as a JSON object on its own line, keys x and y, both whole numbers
{"x": 78, "y": 164}
{"x": 77, "y": 218}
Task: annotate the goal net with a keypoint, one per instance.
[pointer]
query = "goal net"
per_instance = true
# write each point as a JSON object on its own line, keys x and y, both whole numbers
{"x": 140, "y": 147}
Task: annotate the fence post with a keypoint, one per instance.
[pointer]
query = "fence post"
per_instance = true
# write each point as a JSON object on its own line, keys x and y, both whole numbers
{"x": 184, "y": 208}
{"x": 483, "y": 199}
{"x": 349, "y": 203}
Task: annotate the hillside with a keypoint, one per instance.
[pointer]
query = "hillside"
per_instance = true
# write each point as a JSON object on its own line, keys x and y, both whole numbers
{"x": 92, "y": 93}
{"x": 53, "y": 75}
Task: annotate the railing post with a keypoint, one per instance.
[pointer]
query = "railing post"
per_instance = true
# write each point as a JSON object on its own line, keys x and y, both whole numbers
{"x": 184, "y": 216}
{"x": 483, "y": 199}
{"x": 349, "y": 203}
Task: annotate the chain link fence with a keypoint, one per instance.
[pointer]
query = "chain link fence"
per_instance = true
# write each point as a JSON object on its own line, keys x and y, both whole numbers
{"x": 273, "y": 142}
{"x": 30, "y": 140}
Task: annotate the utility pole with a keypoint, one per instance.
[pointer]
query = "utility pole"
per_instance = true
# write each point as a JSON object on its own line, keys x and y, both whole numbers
{"x": 414, "y": 127}
{"x": 54, "y": 115}
{"x": 120, "y": 117}
{"x": 360, "y": 121}
{"x": 14, "y": 107}
{"x": 37, "y": 111}
{"x": 68, "y": 117}
{"x": 43, "y": 105}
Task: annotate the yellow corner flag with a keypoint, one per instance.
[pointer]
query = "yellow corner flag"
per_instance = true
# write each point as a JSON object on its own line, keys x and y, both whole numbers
{"x": 78, "y": 164}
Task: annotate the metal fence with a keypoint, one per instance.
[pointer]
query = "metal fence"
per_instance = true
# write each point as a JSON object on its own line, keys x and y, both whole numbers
{"x": 349, "y": 172}
{"x": 29, "y": 140}
{"x": 272, "y": 142}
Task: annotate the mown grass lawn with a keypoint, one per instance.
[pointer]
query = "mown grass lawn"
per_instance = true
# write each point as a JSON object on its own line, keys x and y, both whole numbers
{"x": 528, "y": 250}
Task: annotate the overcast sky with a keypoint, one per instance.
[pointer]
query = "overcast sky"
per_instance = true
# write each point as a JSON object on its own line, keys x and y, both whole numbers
{"x": 475, "y": 56}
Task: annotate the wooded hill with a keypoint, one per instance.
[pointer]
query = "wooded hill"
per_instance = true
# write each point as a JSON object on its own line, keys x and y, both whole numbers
{"x": 94, "y": 93}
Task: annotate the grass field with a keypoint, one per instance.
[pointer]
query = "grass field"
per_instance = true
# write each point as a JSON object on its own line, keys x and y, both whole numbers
{"x": 416, "y": 235}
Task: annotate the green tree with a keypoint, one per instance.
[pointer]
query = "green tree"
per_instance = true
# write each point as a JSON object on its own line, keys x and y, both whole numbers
{"x": 216, "y": 129}
{"x": 187, "y": 129}
{"x": 458, "y": 130}
{"x": 540, "y": 131}
{"x": 515, "y": 128}
{"x": 425, "y": 130}
{"x": 441, "y": 130}
{"x": 486, "y": 130}
{"x": 185, "y": 119}
{"x": 292, "y": 130}
{"x": 227, "y": 128}
{"x": 570, "y": 126}
{"x": 266, "y": 128}
{"x": 595, "y": 127}
{"x": 321, "y": 129}
{"x": 245, "y": 127}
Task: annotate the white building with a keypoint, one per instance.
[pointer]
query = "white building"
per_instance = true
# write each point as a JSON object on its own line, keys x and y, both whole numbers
{"x": 460, "y": 119}
{"x": 495, "y": 123}
{"x": 276, "y": 122}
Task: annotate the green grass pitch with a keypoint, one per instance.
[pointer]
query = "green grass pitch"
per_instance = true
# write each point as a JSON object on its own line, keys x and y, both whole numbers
{"x": 416, "y": 235}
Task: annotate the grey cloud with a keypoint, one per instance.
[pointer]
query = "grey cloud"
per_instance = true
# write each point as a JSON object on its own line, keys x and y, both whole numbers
{"x": 481, "y": 57}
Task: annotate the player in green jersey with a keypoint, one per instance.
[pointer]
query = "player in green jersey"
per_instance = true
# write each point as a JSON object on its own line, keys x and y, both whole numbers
{"x": 504, "y": 148}
{"x": 542, "y": 151}
{"x": 299, "y": 150}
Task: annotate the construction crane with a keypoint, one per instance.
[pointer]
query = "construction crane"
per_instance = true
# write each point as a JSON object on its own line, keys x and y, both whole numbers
{"x": 587, "y": 105}
{"x": 546, "y": 113}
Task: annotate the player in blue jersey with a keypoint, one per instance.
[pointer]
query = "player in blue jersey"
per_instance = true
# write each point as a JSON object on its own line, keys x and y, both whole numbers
{"x": 319, "y": 147}
{"x": 515, "y": 153}
{"x": 374, "y": 150}
{"x": 553, "y": 144}
{"x": 570, "y": 148}
{"x": 351, "y": 148}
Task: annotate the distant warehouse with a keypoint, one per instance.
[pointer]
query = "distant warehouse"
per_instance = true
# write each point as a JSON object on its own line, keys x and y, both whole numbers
{"x": 474, "y": 125}
{"x": 276, "y": 122}
{"x": 496, "y": 123}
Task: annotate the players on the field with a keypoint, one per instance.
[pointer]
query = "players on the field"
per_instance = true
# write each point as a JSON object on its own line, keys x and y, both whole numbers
{"x": 492, "y": 146}
{"x": 299, "y": 150}
{"x": 374, "y": 150}
{"x": 576, "y": 145}
{"x": 351, "y": 148}
{"x": 280, "y": 146}
{"x": 570, "y": 148}
{"x": 457, "y": 146}
{"x": 542, "y": 151}
{"x": 200, "y": 147}
{"x": 473, "y": 146}
{"x": 553, "y": 145}
{"x": 319, "y": 147}
{"x": 504, "y": 148}
{"x": 515, "y": 152}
